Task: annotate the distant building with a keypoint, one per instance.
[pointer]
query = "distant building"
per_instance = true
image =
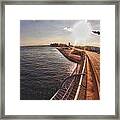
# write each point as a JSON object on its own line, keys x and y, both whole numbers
{"x": 58, "y": 45}
{"x": 93, "y": 49}
{"x": 54, "y": 45}
{"x": 90, "y": 48}
{"x": 62, "y": 45}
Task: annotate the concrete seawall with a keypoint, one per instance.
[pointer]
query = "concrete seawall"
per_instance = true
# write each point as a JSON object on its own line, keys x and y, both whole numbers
{"x": 69, "y": 56}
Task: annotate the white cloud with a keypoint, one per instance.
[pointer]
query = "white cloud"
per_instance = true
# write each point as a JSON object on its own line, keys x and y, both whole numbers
{"x": 69, "y": 29}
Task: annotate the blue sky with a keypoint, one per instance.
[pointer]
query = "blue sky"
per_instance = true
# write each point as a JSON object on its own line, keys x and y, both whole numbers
{"x": 44, "y": 32}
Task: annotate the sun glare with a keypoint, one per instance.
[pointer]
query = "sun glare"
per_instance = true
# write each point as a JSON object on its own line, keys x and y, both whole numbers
{"x": 81, "y": 31}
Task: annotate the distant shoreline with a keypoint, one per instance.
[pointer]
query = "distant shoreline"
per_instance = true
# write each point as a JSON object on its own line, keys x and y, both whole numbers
{"x": 89, "y": 48}
{"x": 36, "y": 46}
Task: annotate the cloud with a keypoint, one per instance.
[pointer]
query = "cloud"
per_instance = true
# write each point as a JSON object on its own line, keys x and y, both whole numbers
{"x": 81, "y": 31}
{"x": 69, "y": 29}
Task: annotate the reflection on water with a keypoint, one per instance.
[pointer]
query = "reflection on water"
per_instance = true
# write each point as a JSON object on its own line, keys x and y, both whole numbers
{"x": 42, "y": 69}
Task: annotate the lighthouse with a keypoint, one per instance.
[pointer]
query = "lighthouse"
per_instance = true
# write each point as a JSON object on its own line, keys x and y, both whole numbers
{"x": 69, "y": 44}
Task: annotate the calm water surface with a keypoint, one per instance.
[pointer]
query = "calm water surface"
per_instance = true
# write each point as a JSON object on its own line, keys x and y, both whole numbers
{"x": 42, "y": 69}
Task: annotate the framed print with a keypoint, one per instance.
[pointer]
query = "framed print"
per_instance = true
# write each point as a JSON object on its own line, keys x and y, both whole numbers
{"x": 59, "y": 60}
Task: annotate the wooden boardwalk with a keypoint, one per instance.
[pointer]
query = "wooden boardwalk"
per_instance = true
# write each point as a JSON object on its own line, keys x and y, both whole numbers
{"x": 94, "y": 58}
{"x": 84, "y": 82}
{"x": 92, "y": 80}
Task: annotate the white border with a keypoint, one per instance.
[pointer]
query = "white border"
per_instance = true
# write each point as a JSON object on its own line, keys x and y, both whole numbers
{"x": 13, "y": 15}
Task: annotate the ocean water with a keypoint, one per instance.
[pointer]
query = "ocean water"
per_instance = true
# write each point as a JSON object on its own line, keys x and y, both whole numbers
{"x": 42, "y": 70}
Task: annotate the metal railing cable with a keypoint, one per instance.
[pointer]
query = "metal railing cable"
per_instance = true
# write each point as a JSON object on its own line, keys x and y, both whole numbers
{"x": 81, "y": 78}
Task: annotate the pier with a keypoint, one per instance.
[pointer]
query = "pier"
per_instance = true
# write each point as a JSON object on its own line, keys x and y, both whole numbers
{"x": 84, "y": 82}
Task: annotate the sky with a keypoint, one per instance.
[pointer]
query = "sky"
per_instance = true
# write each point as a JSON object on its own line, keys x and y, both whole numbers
{"x": 45, "y": 32}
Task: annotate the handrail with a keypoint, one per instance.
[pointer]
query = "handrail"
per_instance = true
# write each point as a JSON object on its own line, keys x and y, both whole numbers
{"x": 64, "y": 81}
{"x": 81, "y": 78}
{"x": 68, "y": 89}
